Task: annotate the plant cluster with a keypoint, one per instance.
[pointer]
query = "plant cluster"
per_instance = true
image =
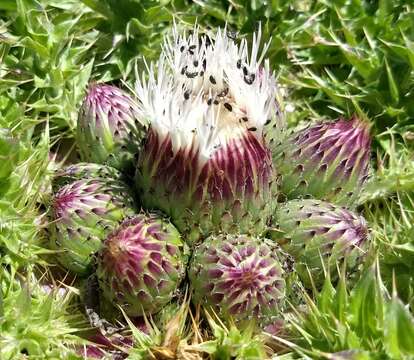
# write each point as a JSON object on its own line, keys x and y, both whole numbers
{"x": 209, "y": 184}
{"x": 186, "y": 209}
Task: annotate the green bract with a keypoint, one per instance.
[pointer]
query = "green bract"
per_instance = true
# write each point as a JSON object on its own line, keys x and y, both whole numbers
{"x": 327, "y": 161}
{"x": 109, "y": 129}
{"x": 141, "y": 264}
{"x": 239, "y": 276}
{"x": 83, "y": 213}
{"x": 320, "y": 235}
{"x": 82, "y": 171}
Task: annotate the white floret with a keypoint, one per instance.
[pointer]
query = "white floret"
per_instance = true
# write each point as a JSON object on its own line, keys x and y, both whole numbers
{"x": 206, "y": 90}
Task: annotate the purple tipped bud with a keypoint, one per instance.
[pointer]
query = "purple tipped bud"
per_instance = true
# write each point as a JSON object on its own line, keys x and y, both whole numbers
{"x": 136, "y": 267}
{"x": 83, "y": 213}
{"x": 110, "y": 129}
{"x": 245, "y": 282}
{"x": 331, "y": 158}
{"x": 314, "y": 231}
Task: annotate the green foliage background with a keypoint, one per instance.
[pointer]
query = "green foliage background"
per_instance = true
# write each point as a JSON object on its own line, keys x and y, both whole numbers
{"x": 332, "y": 58}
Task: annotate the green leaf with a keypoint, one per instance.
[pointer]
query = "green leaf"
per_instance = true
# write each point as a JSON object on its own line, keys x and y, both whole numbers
{"x": 391, "y": 83}
{"x": 326, "y": 296}
{"x": 8, "y": 5}
{"x": 367, "y": 305}
{"x": 399, "y": 330}
{"x": 209, "y": 347}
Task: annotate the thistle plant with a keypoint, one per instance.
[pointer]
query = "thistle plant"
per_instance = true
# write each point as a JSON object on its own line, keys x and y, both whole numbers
{"x": 327, "y": 161}
{"x": 35, "y": 323}
{"x": 239, "y": 276}
{"x": 205, "y": 162}
{"x": 141, "y": 264}
{"x": 109, "y": 127}
{"x": 333, "y": 58}
{"x": 320, "y": 235}
{"x": 82, "y": 214}
{"x": 376, "y": 324}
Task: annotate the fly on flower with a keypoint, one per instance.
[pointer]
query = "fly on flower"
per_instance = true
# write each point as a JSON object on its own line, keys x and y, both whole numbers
{"x": 205, "y": 161}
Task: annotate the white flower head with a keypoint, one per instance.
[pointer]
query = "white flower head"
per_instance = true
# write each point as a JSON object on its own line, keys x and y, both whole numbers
{"x": 206, "y": 90}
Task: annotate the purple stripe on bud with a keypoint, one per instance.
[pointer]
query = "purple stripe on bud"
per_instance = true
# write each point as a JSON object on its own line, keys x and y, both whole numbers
{"x": 240, "y": 276}
{"x": 132, "y": 253}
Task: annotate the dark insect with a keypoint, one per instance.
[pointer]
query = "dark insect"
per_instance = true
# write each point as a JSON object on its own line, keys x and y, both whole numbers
{"x": 249, "y": 79}
{"x": 228, "y": 106}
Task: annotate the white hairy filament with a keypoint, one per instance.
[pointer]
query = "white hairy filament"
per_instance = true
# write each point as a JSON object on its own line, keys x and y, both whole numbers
{"x": 206, "y": 89}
